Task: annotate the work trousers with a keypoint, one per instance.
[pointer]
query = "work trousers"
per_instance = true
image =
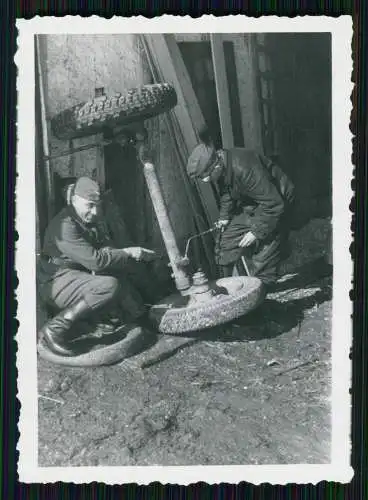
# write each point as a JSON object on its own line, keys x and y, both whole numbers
{"x": 128, "y": 290}
{"x": 263, "y": 258}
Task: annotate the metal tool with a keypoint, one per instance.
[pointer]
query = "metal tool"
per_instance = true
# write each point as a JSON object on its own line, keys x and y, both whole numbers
{"x": 244, "y": 262}
{"x": 185, "y": 260}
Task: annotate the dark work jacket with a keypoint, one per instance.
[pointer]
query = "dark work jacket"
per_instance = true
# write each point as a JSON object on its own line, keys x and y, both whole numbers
{"x": 70, "y": 243}
{"x": 253, "y": 183}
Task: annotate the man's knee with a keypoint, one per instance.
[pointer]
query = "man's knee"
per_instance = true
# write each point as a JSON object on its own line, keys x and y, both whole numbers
{"x": 108, "y": 287}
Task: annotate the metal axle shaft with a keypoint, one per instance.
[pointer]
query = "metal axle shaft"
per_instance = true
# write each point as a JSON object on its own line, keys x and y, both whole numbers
{"x": 181, "y": 278}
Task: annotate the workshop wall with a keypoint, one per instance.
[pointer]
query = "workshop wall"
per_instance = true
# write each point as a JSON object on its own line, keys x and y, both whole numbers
{"x": 73, "y": 66}
{"x": 300, "y": 69}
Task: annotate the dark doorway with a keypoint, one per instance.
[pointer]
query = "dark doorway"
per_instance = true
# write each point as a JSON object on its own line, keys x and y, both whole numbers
{"x": 125, "y": 178}
{"x": 197, "y": 57}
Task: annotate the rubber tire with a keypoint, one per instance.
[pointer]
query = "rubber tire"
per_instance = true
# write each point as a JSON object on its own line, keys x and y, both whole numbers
{"x": 107, "y": 355}
{"x": 92, "y": 117}
{"x": 173, "y": 317}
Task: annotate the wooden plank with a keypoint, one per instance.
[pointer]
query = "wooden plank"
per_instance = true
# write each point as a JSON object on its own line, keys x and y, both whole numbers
{"x": 41, "y": 199}
{"x": 266, "y": 103}
{"x": 171, "y": 74}
{"x": 190, "y": 100}
{"x": 222, "y": 90}
{"x": 168, "y": 58}
{"x": 49, "y": 185}
{"x": 179, "y": 143}
{"x": 234, "y": 94}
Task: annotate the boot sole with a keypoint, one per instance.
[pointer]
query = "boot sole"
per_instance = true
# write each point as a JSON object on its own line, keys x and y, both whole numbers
{"x": 55, "y": 348}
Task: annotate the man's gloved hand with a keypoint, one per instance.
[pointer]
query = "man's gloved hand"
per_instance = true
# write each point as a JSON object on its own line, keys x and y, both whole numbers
{"x": 140, "y": 254}
{"x": 247, "y": 240}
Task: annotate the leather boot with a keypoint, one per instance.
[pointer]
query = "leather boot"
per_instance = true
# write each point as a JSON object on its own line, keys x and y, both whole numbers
{"x": 56, "y": 331}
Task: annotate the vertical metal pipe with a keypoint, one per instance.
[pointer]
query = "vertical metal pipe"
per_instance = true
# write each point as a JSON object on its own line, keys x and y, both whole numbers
{"x": 182, "y": 280}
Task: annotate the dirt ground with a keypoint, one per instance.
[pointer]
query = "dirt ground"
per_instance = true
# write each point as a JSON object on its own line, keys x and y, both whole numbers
{"x": 255, "y": 392}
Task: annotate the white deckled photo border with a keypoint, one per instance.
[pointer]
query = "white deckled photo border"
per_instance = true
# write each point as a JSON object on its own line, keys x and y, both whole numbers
{"x": 339, "y": 470}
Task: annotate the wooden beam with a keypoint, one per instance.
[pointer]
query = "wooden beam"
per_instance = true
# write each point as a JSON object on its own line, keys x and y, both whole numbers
{"x": 50, "y": 195}
{"x": 175, "y": 73}
{"x": 222, "y": 90}
{"x": 180, "y": 144}
{"x": 168, "y": 58}
{"x": 190, "y": 101}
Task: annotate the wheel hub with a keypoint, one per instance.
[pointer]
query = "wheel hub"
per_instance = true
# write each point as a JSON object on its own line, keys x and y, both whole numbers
{"x": 200, "y": 291}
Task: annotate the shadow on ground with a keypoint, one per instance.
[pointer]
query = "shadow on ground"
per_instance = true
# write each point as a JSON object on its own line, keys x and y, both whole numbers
{"x": 281, "y": 311}
{"x": 209, "y": 403}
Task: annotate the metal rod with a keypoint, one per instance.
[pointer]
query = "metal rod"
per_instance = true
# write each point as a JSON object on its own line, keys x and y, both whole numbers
{"x": 182, "y": 280}
{"x": 197, "y": 236}
{"x": 245, "y": 265}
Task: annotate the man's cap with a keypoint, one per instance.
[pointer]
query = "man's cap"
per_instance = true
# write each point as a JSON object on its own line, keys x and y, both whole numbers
{"x": 88, "y": 189}
{"x": 200, "y": 160}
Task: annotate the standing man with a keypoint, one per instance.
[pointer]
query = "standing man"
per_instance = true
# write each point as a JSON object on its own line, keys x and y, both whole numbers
{"x": 255, "y": 198}
{"x": 81, "y": 273}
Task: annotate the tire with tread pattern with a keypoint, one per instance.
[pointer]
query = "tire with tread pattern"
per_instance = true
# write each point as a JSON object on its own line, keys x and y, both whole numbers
{"x": 136, "y": 104}
{"x": 237, "y": 296}
{"x": 133, "y": 337}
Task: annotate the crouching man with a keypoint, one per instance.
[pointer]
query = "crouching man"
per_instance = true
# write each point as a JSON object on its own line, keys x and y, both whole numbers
{"x": 255, "y": 200}
{"x": 82, "y": 275}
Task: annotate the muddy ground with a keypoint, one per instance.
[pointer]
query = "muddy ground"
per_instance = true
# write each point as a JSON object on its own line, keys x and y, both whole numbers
{"x": 255, "y": 392}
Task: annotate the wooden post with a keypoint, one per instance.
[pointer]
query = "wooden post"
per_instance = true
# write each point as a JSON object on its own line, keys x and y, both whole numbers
{"x": 188, "y": 112}
{"x": 50, "y": 195}
{"x": 222, "y": 90}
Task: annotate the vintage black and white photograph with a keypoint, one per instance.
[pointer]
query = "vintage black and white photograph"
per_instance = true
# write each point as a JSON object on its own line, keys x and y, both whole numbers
{"x": 183, "y": 256}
